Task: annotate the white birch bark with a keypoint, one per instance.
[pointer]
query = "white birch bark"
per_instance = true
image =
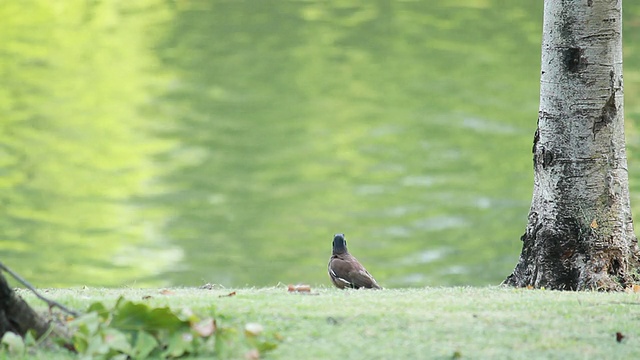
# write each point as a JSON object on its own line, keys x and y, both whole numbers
{"x": 580, "y": 232}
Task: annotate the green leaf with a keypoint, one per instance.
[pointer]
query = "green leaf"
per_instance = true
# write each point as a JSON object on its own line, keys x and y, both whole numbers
{"x": 29, "y": 339}
{"x": 80, "y": 342}
{"x": 133, "y": 317}
{"x": 165, "y": 319}
{"x": 266, "y": 346}
{"x": 117, "y": 341}
{"x": 100, "y": 309}
{"x": 119, "y": 357}
{"x": 13, "y": 343}
{"x": 87, "y": 324}
{"x": 179, "y": 344}
{"x": 139, "y": 331}
{"x": 187, "y": 314}
{"x": 97, "y": 346}
{"x": 144, "y": 345}
{"x": 130, "y": 316}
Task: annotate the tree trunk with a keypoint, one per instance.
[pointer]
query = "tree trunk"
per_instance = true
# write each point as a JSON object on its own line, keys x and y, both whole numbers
{"x": 15, "y": 315}
{"x": 18, "y": 317}
{"x": 579, "y": 234}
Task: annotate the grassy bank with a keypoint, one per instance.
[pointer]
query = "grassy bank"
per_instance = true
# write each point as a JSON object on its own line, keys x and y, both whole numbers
{"x": 429, "y": 323}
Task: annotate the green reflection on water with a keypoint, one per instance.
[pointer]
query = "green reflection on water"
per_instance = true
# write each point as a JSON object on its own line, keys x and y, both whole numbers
{"x": 226, "y": 141}
{"x": 75, "y": 152}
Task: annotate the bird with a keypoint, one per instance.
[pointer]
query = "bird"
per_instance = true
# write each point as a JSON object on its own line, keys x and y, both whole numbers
{"x": 345, "y": 270}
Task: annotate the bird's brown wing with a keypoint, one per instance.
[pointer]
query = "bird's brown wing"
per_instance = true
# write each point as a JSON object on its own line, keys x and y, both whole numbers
{"x": 339, "y": 270}
{"x": 362, "y": 278}
{"x": 346, "y": 271}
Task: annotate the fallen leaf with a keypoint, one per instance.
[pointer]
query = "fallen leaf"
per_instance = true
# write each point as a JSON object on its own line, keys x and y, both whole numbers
{"x": 252, "y": 354}
{"x": 205, "y": 327}
{"x": 619, "y": 336}
{"x": 167, "y": 292}
{"x": 147, "y": 297}
{"x": 253, "y": 329}
{"x": 299, "y": 288}
{"x": 594, "y": 224}
{"x": 635, "y": 288}
{"x": 233, "y": 293}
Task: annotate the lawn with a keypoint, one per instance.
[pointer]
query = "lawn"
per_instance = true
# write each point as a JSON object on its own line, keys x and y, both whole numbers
{"x": 418, "y": 323}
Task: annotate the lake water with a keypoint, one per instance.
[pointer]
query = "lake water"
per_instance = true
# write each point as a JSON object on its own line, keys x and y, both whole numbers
{"x": 156, "y": 143}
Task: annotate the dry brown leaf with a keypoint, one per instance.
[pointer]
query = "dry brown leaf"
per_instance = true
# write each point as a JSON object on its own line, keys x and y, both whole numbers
{"x": 167, "y": 292}
{"x": 635, "y": 288}
{"x": 299, "y": 288}
{"x": 205, "y": 327}
{"x": 619, "y": 336}
{"x": 252, "y": 354}
{"x": 233, "y": 293}
{"x": 594, "y": 224}
{"x": 147, "y": 297}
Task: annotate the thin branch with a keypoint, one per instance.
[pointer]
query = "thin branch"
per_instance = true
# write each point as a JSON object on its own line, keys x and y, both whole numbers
{"x": 49, "y": 302}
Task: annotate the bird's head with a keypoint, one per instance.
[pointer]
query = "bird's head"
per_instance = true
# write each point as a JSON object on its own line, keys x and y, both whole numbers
{"x": 339, "y": 244}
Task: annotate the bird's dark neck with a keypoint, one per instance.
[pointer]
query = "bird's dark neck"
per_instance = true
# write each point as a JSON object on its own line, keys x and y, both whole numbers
{"x": 340, "y": 254}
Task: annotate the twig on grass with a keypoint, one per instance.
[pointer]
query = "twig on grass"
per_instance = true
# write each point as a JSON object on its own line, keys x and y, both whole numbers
{"x": 49, "y": 302}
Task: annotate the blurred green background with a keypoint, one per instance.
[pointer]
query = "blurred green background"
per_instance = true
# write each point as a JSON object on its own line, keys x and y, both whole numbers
{"x": 158, "y": 143}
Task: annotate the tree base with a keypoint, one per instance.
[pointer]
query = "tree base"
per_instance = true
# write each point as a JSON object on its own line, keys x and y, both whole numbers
{"x": 18, "y": 317}
{"x": 566, "y": 257}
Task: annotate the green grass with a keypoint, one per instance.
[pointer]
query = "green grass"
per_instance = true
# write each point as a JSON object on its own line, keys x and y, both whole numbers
{"x": 425, "y": 323}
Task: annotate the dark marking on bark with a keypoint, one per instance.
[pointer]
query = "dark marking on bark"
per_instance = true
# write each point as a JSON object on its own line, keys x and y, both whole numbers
{"x": 568, "y": 21}
{"x": 542, "y": 156}
{"x": 536, "y": 138}
{"x": 608, "y": 114}
{"x": 573, "y": 59}
{"x": 589, "y": 2}
{"x": 615, "y": 267}
{"x": 620, "y": 82}
{"x": 613, "y": 189}
{"x": 547, "y": 158}
{"x": 562, "y": 245}
{"x": 612, "y": 80}
{"x": 532, "y": 230}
